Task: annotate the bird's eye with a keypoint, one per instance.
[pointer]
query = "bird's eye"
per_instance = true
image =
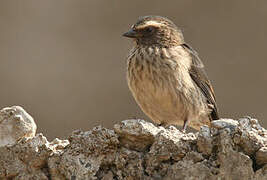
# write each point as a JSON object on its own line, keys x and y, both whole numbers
{"x": 149, "y": 29}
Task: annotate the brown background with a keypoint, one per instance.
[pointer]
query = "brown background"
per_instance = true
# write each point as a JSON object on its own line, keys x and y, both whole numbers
{"x": 64, "y": 61}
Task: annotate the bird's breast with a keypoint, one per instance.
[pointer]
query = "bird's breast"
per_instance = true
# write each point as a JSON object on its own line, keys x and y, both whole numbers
{"x": 160, "y": 82}
{"x": 159, "y": 70}
{"x": 153, "y": 79}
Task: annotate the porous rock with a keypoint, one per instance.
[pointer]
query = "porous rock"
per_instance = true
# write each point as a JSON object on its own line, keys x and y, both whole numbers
{"x": 28, "y": 158}
{"x": 136, "y": 149}
{"x": 261, "y": 156}
{"x": 15, "y": 124}
{"x": 136, "y": 134}
{"x": 250, "y": 136}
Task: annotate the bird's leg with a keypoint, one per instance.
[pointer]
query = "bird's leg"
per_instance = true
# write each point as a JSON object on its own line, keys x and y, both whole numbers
{"x": 185, "y": 126}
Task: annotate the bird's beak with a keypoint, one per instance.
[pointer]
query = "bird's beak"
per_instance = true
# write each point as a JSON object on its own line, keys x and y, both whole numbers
{"x": 131, "y": 34}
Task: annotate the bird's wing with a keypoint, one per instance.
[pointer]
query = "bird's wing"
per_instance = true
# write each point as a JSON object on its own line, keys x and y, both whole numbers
{"x": 199, "y": 76}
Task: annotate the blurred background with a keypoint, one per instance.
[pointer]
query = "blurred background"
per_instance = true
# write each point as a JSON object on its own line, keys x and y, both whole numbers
{"x": 65, "y": 61}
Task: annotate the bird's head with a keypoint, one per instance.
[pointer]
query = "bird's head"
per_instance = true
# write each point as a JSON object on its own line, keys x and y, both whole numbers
{"x": 155, "y": 31}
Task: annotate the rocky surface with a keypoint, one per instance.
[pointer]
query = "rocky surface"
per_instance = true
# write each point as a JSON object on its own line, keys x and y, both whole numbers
{"x": 15, "y": 123}
{"x": 136, "y": 149}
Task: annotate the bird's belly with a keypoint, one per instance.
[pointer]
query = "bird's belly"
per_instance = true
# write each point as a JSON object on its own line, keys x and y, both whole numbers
{"x": 164, "y": 105}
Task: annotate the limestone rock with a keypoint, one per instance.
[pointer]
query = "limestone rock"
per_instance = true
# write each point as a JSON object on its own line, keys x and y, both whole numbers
{"x": 261, "y": 156}
{"x": 15, "y": 124}
{"x": 136, "y": 149}
{"x": 136, "y": 134}
{"x": 204, "y": 141}
{"x": 261, "y": 174}
{"x": 87, "y": 153}
{"x": 250, "y": 136}
{"x": 28, "y": 158}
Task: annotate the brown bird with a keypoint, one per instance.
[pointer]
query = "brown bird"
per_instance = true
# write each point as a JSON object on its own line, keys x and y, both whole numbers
{"x": 166, "y": 76}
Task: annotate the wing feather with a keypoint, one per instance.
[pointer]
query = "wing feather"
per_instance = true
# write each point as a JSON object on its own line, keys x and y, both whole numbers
{"x": 199, "y": 76}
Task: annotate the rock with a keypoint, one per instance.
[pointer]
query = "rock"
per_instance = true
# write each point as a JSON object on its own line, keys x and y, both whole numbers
{"x": 204, "y": 141}
{"x": 137, "y": 149}
{"x": 261, "y": 156}
{"x": 261, "y": 174}
{"x": 28, "y": 158}
{"x": 170, "y": 145}
{"x": 189, "y": 170}
{"x": 136, "y": 134}
{"x": 250, "y": 136}
{"x": 86, "y": 155}
{"x": 224, "y": 123}
{"x": 15, "y": 124}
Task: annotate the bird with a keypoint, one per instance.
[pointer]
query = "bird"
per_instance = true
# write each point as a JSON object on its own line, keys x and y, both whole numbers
{"x": 166, "y": 76}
